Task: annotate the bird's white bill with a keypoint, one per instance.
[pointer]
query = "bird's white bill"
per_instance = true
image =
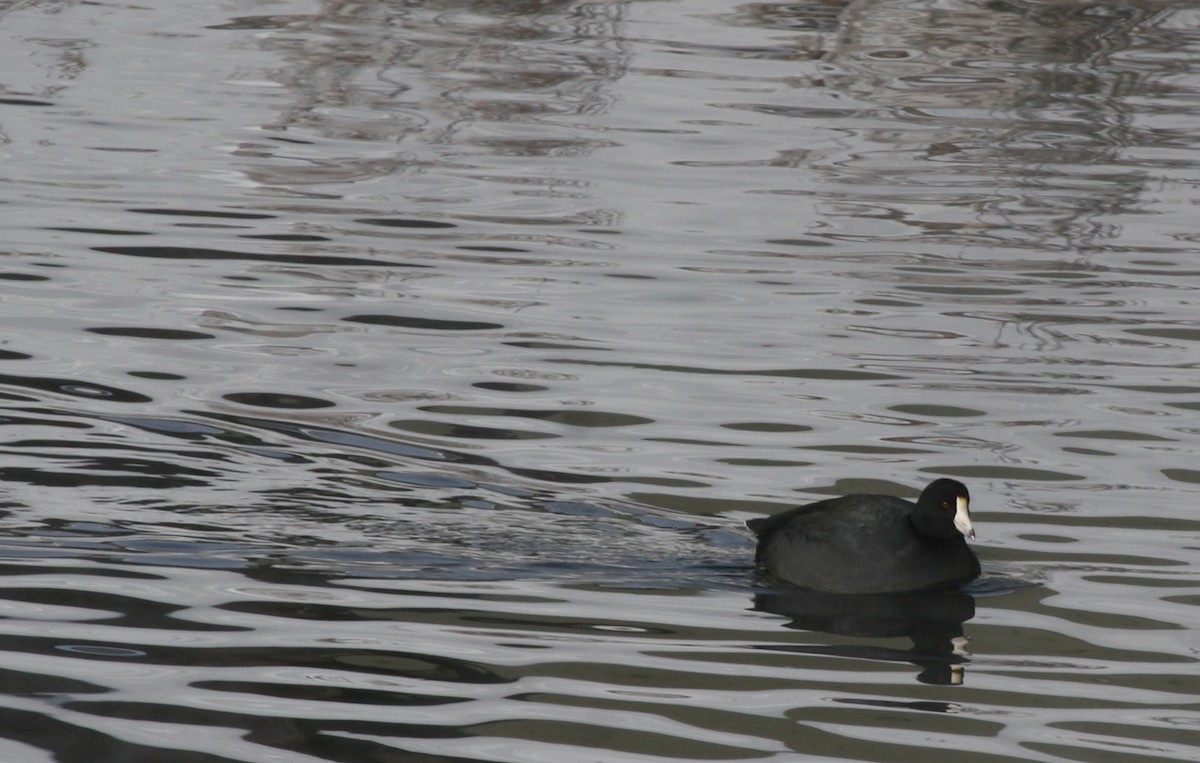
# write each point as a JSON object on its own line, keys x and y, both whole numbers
{"x": 962, "y": 518}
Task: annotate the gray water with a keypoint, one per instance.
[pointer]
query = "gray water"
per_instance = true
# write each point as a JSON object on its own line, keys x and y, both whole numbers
{"x": 390, "y": 381}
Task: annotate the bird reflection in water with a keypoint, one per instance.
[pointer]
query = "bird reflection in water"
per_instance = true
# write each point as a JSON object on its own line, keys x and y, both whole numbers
{"x": 933, "y": 620}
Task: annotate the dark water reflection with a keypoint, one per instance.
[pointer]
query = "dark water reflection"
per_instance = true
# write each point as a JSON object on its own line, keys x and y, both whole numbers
{"x": 392, "y": 380}
{"x": 933, "y": 620}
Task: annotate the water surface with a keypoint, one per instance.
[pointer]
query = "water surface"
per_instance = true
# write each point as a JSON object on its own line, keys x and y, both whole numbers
{"x": 391, "y": 381}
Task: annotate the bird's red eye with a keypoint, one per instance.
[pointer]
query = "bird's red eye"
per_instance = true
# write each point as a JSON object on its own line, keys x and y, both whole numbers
{"x": 946, "y": 505}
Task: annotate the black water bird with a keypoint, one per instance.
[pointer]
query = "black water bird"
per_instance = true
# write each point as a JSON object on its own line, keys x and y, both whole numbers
{"x": 872, "y": 543}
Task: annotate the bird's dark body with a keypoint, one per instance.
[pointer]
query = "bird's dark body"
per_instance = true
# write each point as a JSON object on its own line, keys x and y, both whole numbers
{"x": 860, "y": 544}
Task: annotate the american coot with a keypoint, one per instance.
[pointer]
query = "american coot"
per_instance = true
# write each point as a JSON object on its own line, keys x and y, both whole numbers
{"x": 872, "y": 543}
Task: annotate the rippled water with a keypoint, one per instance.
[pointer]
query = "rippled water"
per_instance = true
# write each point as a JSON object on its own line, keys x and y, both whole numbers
{"x": 390, "y": 380}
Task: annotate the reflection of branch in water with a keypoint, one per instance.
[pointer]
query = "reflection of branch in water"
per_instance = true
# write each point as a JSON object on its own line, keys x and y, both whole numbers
{"x": 932, "y": 620}
{"x": 992, "y": 124}
{"x": 413, "y": 86}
